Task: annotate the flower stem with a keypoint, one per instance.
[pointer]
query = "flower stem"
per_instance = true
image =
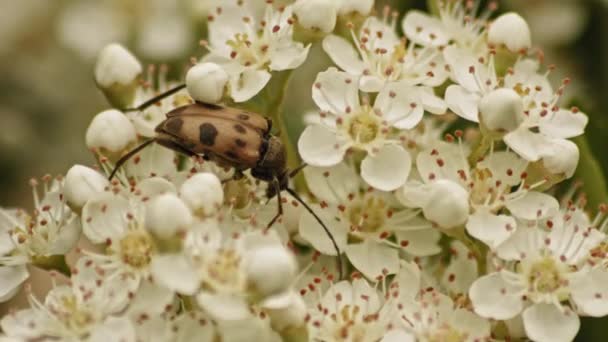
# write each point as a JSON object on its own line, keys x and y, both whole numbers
{"x": 480, "y": 150}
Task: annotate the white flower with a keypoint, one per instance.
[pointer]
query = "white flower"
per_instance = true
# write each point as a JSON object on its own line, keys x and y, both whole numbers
{"x": 348, "y": 7}
{"x": 82, "y": 184}
{"x": 206, "y": 82}
{"x": 379, "y": 57}
{"x": 271, "y": 269}
{"x": 316, "y": 14}
{"x": 561, "y": 158}
{"x": 546, "y": 278}
{"x": 110, "y": 130}
{"x": 458, "y": 23}
{"x": 510, "y": 30}
{"x": 364, "y": 222}
{"x": 346, "y": 124}
{"x": 116, "y": 74}
{"x": 497, "y": 182}
{"x": 249, "y": 47}
{"x": 51, "y": 231}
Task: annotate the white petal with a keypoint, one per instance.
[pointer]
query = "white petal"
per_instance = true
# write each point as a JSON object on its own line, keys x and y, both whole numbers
{"x": 461, "y": 61}
{"x": 373, "y": 259}
{"x": 67, "y": 238}
{"x": 332, "y": 184}
{"x": 505, "y": 166}
{"x": 462, "y": 270}
{"x": 564, "y": 124}
{"x": 388, "y": 169}
{"x": 589, "y": 290}
{"x": 468, "y": 323}
{"x": 104, "y": 218}
{"x": 526, "y": 242}
{"x": 400, "y": 105}
{"x": 248, "y": 84}
{"x": 414, "y": 194}
{"x": 398, "y": 336}
{"x": 9, "y": 220}
{"x": 224, "y": 306}
{"x": 176, "y": 273}
{"x": 431, "y": 102}
{"x": 442, "y": 161}
{"x": 490, "y": 228}
{"x": 155, "y": 160}
{"x": 289, "y": 56}
{"x": 11, "y": 277}
{"x": 313, "y": 232}
{"x": 151, "y": 299}
{"x": 25, "y": 325}
{"x": 335, "y": 91}
{"x": 493, "y": 297}
{"x": 547, "y": 323}
{"x": 151, "y": 187}
{"x": 421, "y": 243}
{"x": 114, "y": 329}
{"x": 462, "y": 102}
{"x": 424, "y": 29}
{"x": 533, "y": 205}
{"x": 530, "y": 146}
{"x": 320, "y": 146}
{"x": 343, "y": 54}
{"x": 371, "y": 83}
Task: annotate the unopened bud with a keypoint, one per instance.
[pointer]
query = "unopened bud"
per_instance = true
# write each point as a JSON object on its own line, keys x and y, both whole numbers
{"x": 271, "y": 269}
{"x": 167, "y": 215}
{"x": 316, "y": 14}
{"x": 363, "y": 7}
{"x": 501, "y": 111}
{"x": 82, "y": 184}
{"x": 203, "y": 193}
{"x": 110, "y": 130}
{"x": 447, "y": 204}
{"x": 562, "y": 159}
{"x": 116, "y": 74}
{"x": 206, "y": 82}
{"x": 510, "y": 30}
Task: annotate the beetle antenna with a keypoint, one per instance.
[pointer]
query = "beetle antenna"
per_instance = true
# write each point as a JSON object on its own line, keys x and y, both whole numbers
{"x": 329, "y": 234}
{"x": 297, "y": 170}
{"x": 156, "y": 98}
{"x": 128, "y": 156}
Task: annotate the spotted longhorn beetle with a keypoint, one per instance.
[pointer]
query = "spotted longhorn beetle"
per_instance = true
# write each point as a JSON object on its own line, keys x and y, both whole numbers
{"x": 230, "y": 137}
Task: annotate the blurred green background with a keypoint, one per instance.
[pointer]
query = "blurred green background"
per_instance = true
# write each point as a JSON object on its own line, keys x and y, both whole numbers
{"x": 48, "y": 97}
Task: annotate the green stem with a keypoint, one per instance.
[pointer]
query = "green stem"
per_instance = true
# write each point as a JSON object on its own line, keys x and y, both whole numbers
{"x": 433, "y": 7}
{"x": 52, "y": 263}
{"x": 480, "y": 150}
{"x": 478, "y": 250}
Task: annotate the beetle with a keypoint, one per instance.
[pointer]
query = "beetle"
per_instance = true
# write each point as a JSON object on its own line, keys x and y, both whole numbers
{"x": 230, "y": 137}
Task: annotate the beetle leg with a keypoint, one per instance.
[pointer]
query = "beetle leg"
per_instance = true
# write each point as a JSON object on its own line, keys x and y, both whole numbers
{"x": 156, "y": 98}
{"x": 295, "y": 171}
{"x": 277, "y": 187}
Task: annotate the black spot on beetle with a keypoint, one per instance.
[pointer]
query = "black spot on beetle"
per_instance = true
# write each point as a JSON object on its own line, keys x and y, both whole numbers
{"x": 174, "y": 125}
{"x": 239, "y": 128}
{"x": 243, "y": 117}
{"x": 240, "y": 143}
{"x": 208, "y": 132}
{"x": 231, "y": 155}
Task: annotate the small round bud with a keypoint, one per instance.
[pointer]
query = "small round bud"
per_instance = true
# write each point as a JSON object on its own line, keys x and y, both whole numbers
{"x": 447, "y": 204}
{"x": 167, "y": 215}
{"x": 206, "y": 82}
{"x": 363, "y": 7}
{"x": 82, "y": 184}
{"x": 203, "y": 193}
{"x": 316, "y": 14}
{"x": 510, "y": 30}
{"x": 116, "y": 74}
{"x": 501, "y": 111}
{"x": 110, "y": 130}
{"x": 287, "y": 311}
{"x": 562, "y": 159}
{"x": 271, "y": 269}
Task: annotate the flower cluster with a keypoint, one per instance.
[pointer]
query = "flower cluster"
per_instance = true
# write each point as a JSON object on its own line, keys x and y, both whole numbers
{"x": 431, "y": 168}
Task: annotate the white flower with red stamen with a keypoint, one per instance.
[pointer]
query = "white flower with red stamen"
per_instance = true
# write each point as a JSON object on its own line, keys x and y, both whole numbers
{"x": 379, "y": 56}
{"x": 368, "y": 225}
{"x": 430, "y": 315}
{"x": 546, "y": 277}
{"x": 250, "y": 46}
{"x": 80, "y": 312}
{"x": 51, "y": 231}
{"x": 452, "y": 194}
{"x": 458, "y": 24}
{"x": 346, "y": 123}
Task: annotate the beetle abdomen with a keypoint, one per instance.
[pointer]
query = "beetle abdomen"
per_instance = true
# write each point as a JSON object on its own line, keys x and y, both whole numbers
{"x": 217, "y": 138}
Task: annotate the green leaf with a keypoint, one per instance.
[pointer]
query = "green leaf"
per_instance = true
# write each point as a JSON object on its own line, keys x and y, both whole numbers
{"x": 590, "y": 173}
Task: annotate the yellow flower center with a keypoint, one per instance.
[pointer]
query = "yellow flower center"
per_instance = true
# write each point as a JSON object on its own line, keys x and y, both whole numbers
{"x": 364, "y": 127}
{"x": 369, "y": 215}
{"x": 544, "y": 276}
{"x": 136, "y": 249}
{"x": 224, "y": 271}
{"x": 248, "y": 52}
{"x": 74, "y": 316}
{"x": 446, "y": 334}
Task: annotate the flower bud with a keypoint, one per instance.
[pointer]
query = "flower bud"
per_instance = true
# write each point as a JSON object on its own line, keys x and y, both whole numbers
{"x": 203, "y": 193}
{"x": 116, "y": 74}
{"x": 167, "y": 215}
{"x": 206, "y": 82}
{"x": 287, "y": 312}
{"x": 501, "y": 111}
{"x": 562, "y": 159}
{"x": 82, "y": 184}
{"x": 447, "y": 205}
{"x": 110, "y": 130}
{"x": 363, "y": 7}
{"x": 510, "y": 30}
{"x": 316, "y": 14}
{"x": 271, "y": 269}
